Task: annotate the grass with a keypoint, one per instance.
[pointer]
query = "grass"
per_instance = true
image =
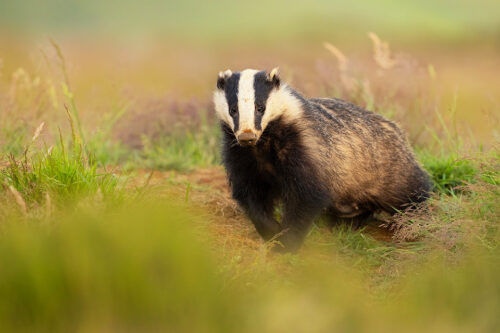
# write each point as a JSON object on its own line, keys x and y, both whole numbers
{"x": 145, "y": 266}
{"x": 138, "y": 268}
{"x": 60, "y": 175}
{"x": 448, "y": 172}
{"x": 84, "y": 248}
{"x": 182, "y": 151}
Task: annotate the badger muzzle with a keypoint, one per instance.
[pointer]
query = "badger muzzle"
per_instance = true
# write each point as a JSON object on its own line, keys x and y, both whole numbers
{"x": 247, "y": 139}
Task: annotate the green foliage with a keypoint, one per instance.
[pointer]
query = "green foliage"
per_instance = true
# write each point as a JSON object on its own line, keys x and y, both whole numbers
{"x": 144, "y": 267}
{"x": 466, "y": 296}
{"x": 66, "y": 174}
{"x": 182, "y": 150}
{"x": 104, "y": 149}
{"x": 135, "y": 269}
{"x": 449, "y": 171}
{"x": 360, "y": 247}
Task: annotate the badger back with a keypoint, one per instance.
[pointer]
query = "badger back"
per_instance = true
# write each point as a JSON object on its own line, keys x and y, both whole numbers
{"x": 367, "y": 157}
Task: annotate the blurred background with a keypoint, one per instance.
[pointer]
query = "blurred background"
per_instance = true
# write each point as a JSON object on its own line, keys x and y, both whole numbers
{"x": 115, "y": 213}
{"x": 160, "y": 53}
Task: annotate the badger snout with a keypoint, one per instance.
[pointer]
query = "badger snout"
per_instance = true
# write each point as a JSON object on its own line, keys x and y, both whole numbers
{"x": 247, "y": 139}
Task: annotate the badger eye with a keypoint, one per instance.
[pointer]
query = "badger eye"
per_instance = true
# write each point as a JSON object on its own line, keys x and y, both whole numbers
{"x": 260, "y": 109}
{"x": 233, "y": 110}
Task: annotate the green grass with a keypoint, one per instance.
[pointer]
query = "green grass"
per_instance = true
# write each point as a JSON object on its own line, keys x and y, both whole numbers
{"x": 448, "y": 172}
{"x": 59, "y": 175}
{"x": 149, "y": 261}
{"x": 183, "y": 150}
{"x": 138, "y": 268}
{"x": 151, "y": 267}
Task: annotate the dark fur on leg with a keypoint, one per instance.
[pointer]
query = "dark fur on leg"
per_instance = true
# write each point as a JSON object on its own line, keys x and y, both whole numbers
{"x": 297, "y": 220}
{"x": 276, "y": 169}
{"x": 303, "y": 196}
{"x": 257, "y": 202}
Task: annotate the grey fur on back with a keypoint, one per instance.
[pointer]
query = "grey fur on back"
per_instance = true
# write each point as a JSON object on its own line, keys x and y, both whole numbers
{"x": 365, "y": 157}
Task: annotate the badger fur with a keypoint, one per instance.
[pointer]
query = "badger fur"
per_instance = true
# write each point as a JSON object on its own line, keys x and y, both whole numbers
{"x": 320, "y": 155}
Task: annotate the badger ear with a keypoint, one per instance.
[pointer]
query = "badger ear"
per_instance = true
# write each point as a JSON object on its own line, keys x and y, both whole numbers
{"x": 274, "y": 77}
{"x": 222, "y": 78}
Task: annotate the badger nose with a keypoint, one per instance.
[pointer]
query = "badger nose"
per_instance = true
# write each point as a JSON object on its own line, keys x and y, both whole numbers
{"x": 247, "y": 139}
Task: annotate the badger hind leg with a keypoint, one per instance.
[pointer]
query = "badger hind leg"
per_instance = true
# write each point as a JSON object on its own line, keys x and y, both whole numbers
{"x": 357, "y": 221}
{"x": 348, "y": 214}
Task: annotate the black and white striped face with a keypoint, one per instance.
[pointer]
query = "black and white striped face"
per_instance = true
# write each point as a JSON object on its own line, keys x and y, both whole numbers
{"x": 243, "y": 100}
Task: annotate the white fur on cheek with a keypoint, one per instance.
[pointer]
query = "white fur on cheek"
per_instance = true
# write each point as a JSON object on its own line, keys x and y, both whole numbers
{"x": 281, "y": 103}
{"x": 222, "y": 109}
{"x": 246, "y": 100}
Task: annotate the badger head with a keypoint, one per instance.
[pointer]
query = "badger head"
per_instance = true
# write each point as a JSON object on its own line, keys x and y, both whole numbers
{"x": 247, "y": 101}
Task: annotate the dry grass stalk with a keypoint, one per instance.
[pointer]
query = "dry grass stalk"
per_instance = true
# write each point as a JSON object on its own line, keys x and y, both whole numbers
{"x": 342, "y": 59}
{"x": 382, "y": 52}
{"x": 19, "y": 199}
{"x": 48, "y": 205}
{"x": 35, "y": 136}
{"x": 347, "y": 80}
{"x": 38, "y": 131}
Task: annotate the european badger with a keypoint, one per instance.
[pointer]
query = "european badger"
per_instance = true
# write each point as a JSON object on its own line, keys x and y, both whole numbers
{"x": 314, "y": 155}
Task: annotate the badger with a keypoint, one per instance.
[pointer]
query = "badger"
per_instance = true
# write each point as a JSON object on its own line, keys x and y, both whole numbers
{"x": 311, "y": 156}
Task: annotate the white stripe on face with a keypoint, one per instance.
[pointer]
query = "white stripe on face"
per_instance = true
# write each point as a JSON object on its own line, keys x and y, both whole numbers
{"x": 246, "y": 101}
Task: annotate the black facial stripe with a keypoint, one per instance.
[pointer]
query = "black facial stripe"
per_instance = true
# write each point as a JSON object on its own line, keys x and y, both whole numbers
{"x": 231, "y": 90}
{"x": 262, "y": 88}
